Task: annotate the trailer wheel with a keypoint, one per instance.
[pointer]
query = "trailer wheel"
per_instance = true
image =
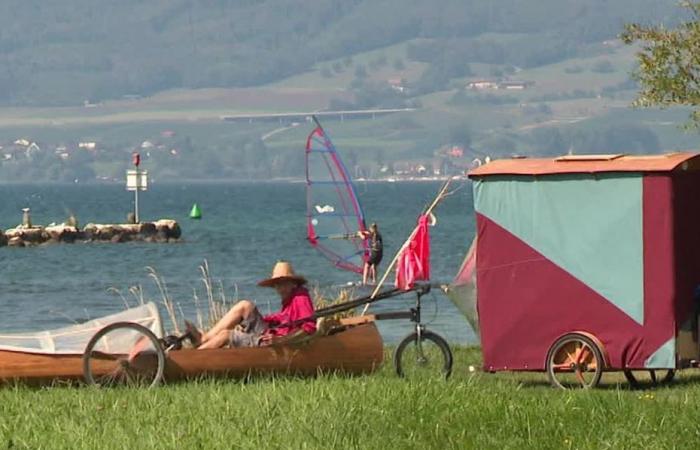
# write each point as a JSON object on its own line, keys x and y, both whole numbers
{"x": 575, "y": 361}
{"x": 124, "y": 353}
{"x": 640, "y": 379}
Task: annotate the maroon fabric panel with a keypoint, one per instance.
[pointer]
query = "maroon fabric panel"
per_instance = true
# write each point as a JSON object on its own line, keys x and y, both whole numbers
{"x": 659, "y": 276}
{"x": 686, "y": 228}
{"x": 526, "y": 302}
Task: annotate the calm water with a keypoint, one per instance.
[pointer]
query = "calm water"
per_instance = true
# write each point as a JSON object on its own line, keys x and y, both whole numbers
{"x": 245, "y": 228}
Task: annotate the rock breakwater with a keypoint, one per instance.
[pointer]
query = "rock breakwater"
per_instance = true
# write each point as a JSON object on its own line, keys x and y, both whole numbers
{"x": 161, "y": 231}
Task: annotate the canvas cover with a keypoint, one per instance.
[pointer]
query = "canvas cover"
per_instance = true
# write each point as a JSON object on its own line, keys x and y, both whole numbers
{"x": 462, "y": 290}
{"x": 576, "y": 252}
{"x": 73, "y": 339}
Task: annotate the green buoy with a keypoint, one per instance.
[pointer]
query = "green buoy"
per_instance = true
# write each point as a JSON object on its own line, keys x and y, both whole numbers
{"x": 195, "y": 213}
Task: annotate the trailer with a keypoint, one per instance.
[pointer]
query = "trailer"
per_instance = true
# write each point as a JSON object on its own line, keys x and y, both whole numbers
{"x": 585, "y": 264}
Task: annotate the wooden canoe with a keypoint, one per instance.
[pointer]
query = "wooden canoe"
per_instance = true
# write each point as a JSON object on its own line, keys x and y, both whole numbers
{"x": 355, "y": 350}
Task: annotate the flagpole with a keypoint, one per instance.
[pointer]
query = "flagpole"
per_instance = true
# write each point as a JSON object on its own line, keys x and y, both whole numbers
{"x": 429, "y": 210}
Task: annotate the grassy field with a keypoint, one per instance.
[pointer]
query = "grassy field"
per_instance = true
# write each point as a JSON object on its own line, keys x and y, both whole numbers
{"x": 471, "y": 410}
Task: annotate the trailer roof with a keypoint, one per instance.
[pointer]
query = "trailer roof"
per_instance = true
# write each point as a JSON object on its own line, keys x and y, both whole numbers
{"x": 590, "y": 164}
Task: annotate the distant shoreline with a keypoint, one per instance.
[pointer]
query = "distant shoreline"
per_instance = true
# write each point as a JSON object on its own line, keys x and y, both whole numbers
{"x": 226, "y": 181}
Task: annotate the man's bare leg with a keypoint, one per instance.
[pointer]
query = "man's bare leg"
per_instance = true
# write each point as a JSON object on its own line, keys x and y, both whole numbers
{"x": 217, "y": 341}
{"x": 236, "y": 314}
{"x": 365, "y": 271}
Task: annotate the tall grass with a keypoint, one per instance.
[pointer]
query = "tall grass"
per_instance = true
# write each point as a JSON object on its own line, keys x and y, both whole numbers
{"x": 209, "y": 306}
{"x": 211, "y": 302}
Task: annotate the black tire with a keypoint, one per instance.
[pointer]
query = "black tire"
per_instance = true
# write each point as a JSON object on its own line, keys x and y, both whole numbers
{"x": 432, "y": 358}
{"x": 583, "y": 372}
{"x": 644, "y": 378}
{"x": 145, "y": 368}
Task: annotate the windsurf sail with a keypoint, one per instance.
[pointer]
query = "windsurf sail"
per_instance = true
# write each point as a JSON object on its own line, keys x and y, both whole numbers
{"x": 462, "y": 290}
{"x": 335, "y": 221}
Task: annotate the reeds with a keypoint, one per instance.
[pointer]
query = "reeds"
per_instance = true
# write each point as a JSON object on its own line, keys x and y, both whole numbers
{"x": 212, "y": 304}
{"x": 322, "y": 301}
{"x": 207, "y": 313}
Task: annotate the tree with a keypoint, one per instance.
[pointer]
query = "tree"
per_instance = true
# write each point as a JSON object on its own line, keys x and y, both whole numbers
{"x": 668, "y": 72}
{"x": 360, "y": 72}
{"x": 459, "y": 134}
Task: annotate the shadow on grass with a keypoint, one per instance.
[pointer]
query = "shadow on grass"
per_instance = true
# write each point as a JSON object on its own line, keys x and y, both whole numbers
{"x": 611, "y": 381}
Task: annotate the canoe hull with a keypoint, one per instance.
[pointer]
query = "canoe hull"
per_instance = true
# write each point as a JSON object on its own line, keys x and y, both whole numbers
{"x": 355, "y": 351}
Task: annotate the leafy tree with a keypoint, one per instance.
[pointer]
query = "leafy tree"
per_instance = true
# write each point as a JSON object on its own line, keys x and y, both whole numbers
{"x": 669, "y": 70}
{"x": 573, "y": 69}
{"x": 459, "y": 134}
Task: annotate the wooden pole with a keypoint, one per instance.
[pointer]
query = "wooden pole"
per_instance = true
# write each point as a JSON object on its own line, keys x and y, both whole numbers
{"x": 429, "y": 210}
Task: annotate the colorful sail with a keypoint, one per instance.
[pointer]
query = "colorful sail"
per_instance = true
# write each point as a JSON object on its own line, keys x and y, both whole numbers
{"x": 335, "y": 220}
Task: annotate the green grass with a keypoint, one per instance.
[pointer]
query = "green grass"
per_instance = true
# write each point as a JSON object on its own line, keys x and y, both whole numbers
{"x": 471, "y": 410}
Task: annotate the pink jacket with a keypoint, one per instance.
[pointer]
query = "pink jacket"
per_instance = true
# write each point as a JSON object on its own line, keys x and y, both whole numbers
{"x": 297, "y": 306}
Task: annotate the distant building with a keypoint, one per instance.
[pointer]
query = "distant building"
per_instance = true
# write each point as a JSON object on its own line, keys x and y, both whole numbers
{"x": 515, "y": 85}
{"x": 456, "y": 151}
{"x": 87, "y": 145}
{"x": 397, "y": 84}
{"x": 32, "y": 148}
{"x": 482, "y": 84}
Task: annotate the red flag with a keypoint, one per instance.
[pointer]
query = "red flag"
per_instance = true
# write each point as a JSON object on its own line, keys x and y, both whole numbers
{"x": 414, "y": 261}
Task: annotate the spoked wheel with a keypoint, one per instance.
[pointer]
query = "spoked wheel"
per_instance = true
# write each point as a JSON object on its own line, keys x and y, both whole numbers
{"x": 427, "y": 357}
{"x": 649, "y": 377}
{"x": 575, "y": 361}
{"x": 124, "y": 353}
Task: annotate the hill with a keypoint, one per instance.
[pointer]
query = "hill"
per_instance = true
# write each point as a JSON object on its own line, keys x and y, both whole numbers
{"x": 68, "y": 52}
{"x": 485, "y": 79}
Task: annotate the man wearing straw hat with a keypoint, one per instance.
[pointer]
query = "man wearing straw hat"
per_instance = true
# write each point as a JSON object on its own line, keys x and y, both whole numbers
{"x": 256, "y": 329}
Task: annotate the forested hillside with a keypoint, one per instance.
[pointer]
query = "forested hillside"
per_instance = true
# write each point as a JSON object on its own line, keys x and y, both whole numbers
{"x": 67, "y": 52}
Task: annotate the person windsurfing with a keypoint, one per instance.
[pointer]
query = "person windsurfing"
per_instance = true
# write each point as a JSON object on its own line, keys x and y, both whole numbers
{"x": 375, "y": 254}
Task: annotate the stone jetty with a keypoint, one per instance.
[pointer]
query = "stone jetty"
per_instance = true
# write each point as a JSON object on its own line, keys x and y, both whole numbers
{"x": 164, "y": 230}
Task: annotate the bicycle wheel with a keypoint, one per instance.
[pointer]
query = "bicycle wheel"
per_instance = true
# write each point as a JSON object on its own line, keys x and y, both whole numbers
{"x": 124, "y": 353}
{"x": 575, "y": 361}
{"x": 430, "y": 356}
{"x": 649, "y": 377}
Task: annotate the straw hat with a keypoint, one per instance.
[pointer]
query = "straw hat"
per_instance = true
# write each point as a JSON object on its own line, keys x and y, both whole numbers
{"x": 282, "y": 271}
